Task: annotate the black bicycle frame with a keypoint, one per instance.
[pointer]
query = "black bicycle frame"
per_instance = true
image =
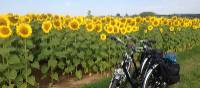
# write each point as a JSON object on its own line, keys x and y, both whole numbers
{"x": 132, "y": 82}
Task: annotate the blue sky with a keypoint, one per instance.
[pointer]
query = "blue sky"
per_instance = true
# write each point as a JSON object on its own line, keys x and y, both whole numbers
{"x": 99, "y": 7}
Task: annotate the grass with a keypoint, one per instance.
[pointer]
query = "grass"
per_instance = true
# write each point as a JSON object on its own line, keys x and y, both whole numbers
{"x": 190, "y": 71}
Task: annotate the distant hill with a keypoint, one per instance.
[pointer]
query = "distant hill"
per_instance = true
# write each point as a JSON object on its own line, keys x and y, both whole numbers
{"x": 183, "y": 15}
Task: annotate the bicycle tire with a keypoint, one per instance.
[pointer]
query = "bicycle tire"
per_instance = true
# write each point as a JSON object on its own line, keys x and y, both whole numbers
{"x": 114, "y": 84}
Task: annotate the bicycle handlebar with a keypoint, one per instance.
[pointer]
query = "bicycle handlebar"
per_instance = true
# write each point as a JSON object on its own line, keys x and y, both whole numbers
{"x": 148, "y": 43}
{"x": 117, "y": 39}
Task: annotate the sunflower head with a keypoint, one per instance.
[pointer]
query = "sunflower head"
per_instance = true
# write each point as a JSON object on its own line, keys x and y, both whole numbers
{"x": 25, "y": 19}
{"x": 116, "y": 29}
{"x": 135, "y": 28}
{"x": 57, "y": 24}
{"x": 98, "y": 28}
{"x": 66, "y": 22}
{"x": 171, "y": 28}
{"x": 176, "y": 23}
{"x": 24, "y": 30}
{"x": 13, "y": 19}
{"x": 74, "y": 24}
{"x": 145, "y": 31}
{"x": 103, "y": 37}
{"x": 5, "y": 32}
{"x": 109, "y": 29}
{"x": 123, "y": 30}
{"x": 123, "y": 20}
{"x": 161, "y": 30}
{"x": 4, "y": 21}
{"x": 156, "y": 23}
{"x": 46, "y": 26}
{"x": 150, "y": 28}
{"x": 129, "y": 29}
{"x": 90, "y": 27}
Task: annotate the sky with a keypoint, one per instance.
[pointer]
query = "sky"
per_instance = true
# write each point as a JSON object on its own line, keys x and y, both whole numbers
{"x": 99, "y": 7}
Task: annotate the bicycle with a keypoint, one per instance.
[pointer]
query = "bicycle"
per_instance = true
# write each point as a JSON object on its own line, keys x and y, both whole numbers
{"x": 122, "y": 72}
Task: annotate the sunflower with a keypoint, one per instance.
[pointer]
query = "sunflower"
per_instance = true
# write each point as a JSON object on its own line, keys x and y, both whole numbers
{"x": 46, "y": 26}
{"x": 161, "y": 30}
{"x": 129, "y": 29}
{"x": 25, "y": 19}
{"x": 123, "y": 20}
{"x": 103, "y": 37}
{"x": 171, "y": 28}
{"x": 5, "y": 31}
{"x": 113, "y": 22}
{"x": 66, "y": 22}
{"x": 57, "y": 24}
{"x": 174, "y": 18}
{"x": 74, "y": 24}
{"x": 123, "y": 31}
{"x": 98, "y": 28}
{"x": 24, "y": 30}
{"x": 135, "y": 28}
{"x": 90, "y": 27}
{"x": 129, "y": 20}
{"x": 156, "y": 23}
{"x": 133, "y": 22}
{"x": 150, "y": 28}
{"x": 176, "y": 23}
{"x": 145, "y": 31}
{"x": 13, "y": 19}
{"x": 109, "y": 29}
{"x": 4, "y": 21}
{"x": 116, "y": 29}
{"x": 138, "y": 19}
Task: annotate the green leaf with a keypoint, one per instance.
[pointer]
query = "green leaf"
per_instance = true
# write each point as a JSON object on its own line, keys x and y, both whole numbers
{"x": 61, "y": 64}
{"x": 52, "y": 63}
{"x": 44, "y": 69}
{"x": 78, "y": 74}
{"x": 17, "y": 66}
{"x": 35, "y": 65}
{"x": 1, "y": 79}
{"x": 90, "y": 63}
{"x": 12, "y": 74}
{"x": 83, "y": 63}
{"x": 81, "y": 54}
{"x": 30, "y": 57}
{"x": 76, "y": 61}
{"x": 23, "y": 85}
{"x": 69, "y": 68}
{"x": 26, "y": 72}
{"x": 31, "y": 80}
{"x": 14, "y": 59}
{"x": 11, "y": 86}
{"x": 3, "y": 67}
{"x": 4, "y": 51}
{"x": 29, "y": 44}
{"x": 60, "y": 54}
{"x": 94, "y": 68}
{"x": 19, "y": 78}
{"x": 54, "y": 76}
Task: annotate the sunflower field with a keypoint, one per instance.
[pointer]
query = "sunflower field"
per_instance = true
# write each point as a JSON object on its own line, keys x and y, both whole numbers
{"x": 56, "y": 45}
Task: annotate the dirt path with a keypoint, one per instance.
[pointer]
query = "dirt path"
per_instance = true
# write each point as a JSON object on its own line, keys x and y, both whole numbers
{"x": 72, "y": 82}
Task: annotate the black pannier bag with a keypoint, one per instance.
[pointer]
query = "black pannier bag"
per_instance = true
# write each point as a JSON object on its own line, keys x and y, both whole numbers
{"x": 170, "y": 72}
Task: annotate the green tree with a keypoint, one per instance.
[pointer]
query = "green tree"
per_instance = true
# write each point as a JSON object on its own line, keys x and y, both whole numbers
{"x": 143, "y": 14}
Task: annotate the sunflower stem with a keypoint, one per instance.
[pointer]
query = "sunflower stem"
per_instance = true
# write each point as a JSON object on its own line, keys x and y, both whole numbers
{"x": 3, "y": 57}
{"x": 26, "y": 61}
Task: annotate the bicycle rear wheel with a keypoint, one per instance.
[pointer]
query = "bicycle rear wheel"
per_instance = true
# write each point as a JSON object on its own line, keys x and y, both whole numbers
{"x": 152, "y": 80}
